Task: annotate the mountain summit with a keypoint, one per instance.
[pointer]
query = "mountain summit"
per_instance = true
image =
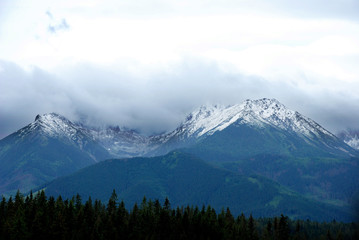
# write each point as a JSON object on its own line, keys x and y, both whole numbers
{"x": 265, "y": 119}
{"x": 209, "y": 119}
{"x": 55, "y": 126}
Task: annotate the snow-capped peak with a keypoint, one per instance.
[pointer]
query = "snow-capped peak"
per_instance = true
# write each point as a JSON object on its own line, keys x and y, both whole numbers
{"x": 118, "y": 142}
{"x": 53, "y": 124}
{"x": 209, "y": 119}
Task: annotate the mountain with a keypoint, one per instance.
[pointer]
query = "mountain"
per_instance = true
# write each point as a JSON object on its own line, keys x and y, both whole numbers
{"x": 350, "y": 137}
{"x": 50, "y": 147}
{"x": 187, "y": 180}
{"x": 263, "y": 137}
{"x": 265, "y": 122}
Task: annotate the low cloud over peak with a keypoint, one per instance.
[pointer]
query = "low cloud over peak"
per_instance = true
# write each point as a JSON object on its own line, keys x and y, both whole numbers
{"x": 156, "y": 103}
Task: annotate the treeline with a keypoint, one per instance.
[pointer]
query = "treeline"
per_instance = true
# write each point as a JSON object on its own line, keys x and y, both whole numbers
{"x": 41, "y": 217}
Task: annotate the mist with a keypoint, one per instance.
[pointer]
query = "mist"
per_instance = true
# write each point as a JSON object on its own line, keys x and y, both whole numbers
{"x": 155, "y": 102}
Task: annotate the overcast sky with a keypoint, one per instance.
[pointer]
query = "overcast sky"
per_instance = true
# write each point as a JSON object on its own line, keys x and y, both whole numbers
{"x": 145, "y": 64}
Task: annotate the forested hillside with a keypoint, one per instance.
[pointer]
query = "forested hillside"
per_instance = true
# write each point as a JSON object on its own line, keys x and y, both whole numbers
{"x": 39, "y": 217}
{"x": 186, "y": 179}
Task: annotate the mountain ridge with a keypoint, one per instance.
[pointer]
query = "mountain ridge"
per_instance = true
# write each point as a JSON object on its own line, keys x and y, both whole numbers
{"x": 202, "y": 122}
{"x": 209, "y": 119}
{"x": 216, "y": 133}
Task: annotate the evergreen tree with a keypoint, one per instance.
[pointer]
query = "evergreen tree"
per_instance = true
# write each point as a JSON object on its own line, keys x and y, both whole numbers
{"x": 268, "y": 232}
{"x": 39, "y": 224}
{"x": 3, "y": 207}
{"x": 59, "y": 228}
{"x": 70, "y": 214}
{"x": 242, "y": 222}
{"x": 134, "y": 226}
{"x": 111, "y": 228}
{"x": 329, "y": 235}
{"x": 340, "y": 235}
{"x": 18, "y": 229}
{"x": 164, "y": 221}
{"x": 252, "y": 231}
{"x": 122, "y": 221}
{"x": 41, "y": 218}
{"x": 283, "y": 228}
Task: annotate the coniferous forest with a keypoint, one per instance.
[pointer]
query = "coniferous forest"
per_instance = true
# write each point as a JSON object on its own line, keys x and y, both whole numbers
{"x": 37, "y": 216}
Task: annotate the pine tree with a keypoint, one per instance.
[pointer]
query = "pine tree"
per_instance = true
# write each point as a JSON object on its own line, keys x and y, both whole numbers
{"x": 70, "y": 214}
{"x": 340, "y": 235}
{"x": 283, "y": 228}
{"x": 167, "y": 205}
{"x": 60, "y": 226}
{"x": 252, "y": 231}
{"x": 243, "y": 230}
{"x": 19, "y": 229}
{"x": 268, "y": 232}
{"x": 39, "y": 224}
{"x": 3, "y": 208}
{"x": 122, "y": 221}
{"x": 134, "y": 226}
{"x": 164, "y": 222}
{"x": 111, "y": 231}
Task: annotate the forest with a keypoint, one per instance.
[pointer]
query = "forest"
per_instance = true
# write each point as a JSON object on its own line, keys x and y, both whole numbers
{"x": 37, "y": 216}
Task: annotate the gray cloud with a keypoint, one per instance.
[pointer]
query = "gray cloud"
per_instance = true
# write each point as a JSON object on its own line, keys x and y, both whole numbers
{"x": 156, "y": 103}
{"x": 347, "y": 9}
{"x": 339, "y": 9}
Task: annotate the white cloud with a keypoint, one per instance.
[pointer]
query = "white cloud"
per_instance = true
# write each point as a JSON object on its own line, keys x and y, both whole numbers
{"x": 148, "y": 55}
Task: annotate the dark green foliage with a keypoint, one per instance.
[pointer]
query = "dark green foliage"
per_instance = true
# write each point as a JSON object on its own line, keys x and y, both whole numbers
{"x": 283, "y": 228}
{"x": 42, "y": 217}
{"x": 185, "y": 179}
{"x": 325, "y": 179}
{"x": 315, "y": 167}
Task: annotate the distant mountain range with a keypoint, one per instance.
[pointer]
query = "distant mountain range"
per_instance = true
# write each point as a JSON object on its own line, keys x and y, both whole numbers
{"x": 255, "y": 138}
